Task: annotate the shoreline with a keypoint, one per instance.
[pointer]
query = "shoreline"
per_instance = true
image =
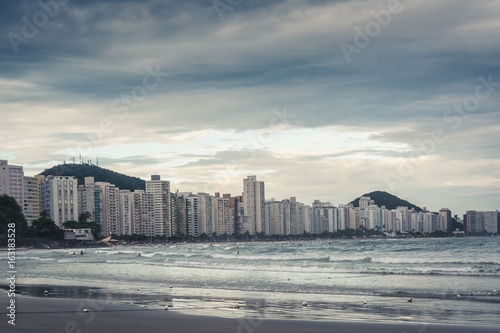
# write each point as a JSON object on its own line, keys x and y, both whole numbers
{"x": 213, "y": 243}
{"x": 38, "y": 314}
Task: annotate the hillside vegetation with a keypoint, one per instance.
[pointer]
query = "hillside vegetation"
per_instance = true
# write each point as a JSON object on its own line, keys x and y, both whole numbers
{"x": 388, "y": 200}
{"x": 80, "y": 171}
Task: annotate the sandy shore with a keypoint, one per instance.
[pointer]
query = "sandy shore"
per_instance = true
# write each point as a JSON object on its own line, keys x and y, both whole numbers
{"x": 68, "y": 315}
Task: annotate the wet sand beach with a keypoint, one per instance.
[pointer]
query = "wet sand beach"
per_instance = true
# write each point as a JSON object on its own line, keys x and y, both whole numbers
{"x": 69, "y": 315}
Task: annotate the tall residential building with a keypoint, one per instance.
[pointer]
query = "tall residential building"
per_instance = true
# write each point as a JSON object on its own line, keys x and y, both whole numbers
{"x": 222, "y": 216}
{"x": 374, "y": 217}
{"x": 160, "y": 189}
{"x": 144, "y": 213}
{"x": 474, "y": 222}
{"x": 324, "y": 217}
{"x": 343, "y": 217}
{"x": 60, "y": 198}
{"x": 236, "y": 213}
{"x": 253, "y": 205}
{"x": 90, "y": 200}
{"x": 111, "y": 223}
{"x": 32, "y": 199}
{"x": 127, "y": 212}
{"x": 491, "y": 220}
{"x": 352, "y": 216}
{"x": 446, "y": 213}
{"x": 302, "y": 218}
{"x": 11, "y": 181}
{"x": 293, "y": 221}
{"x": 404, "y": 213}
{"x": 365, "y": 202}
{"x": 178, "y": 214}
{"x": 273, "y": 212}
{"x": 192, "y": 215}
{"x": 205, "y": 214}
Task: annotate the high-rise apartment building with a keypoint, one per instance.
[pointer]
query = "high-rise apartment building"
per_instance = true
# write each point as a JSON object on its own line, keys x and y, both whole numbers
{"x": 273, "y": 216}
{"x": 236, "y": 213}
{"x": 60, "y": 198}
{"x": 192, "y": 214}
{"x": 111, "y": 222}
{"x": 205, "y": 214}
{"x": 178, "y": 214}
{"x": 446, "y": 213}
{"x": 491, "y": 221}
{"x": 474, "y": 222}
{"x": 127, "y": 212}
{"x": 90, "y": 200}
{"x": 222, "y": 216}
{"x": 32, "y": 198}
{"x": 144, "y": 213}
{"x": 160, "y": 189}
{"x": 253, "y": 205}
{"x": 365, "y": 202}
{"x": 11, "y": 181}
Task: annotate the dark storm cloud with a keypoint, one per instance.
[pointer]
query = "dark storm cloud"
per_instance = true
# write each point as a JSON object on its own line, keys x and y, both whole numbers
{"x": 231, "y": 76}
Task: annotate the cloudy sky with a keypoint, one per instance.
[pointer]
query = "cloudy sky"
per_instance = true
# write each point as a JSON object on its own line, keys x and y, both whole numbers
{"x": 320, "y": 99}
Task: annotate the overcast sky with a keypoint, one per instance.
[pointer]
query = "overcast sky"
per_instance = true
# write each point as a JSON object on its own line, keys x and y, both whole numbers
{"x": 320, "y": 99}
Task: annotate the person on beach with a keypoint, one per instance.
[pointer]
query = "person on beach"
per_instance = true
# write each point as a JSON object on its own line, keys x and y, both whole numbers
{"x": 81, "y": 252}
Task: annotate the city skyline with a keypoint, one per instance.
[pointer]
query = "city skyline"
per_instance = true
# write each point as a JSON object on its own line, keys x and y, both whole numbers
{"x": 326, "y": 100}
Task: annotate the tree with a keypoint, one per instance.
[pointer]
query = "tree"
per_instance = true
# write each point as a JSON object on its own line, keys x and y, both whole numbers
{"x": 84, "y": 217}
{"x": 11, "y": 212}
{"x": 45, "y": 227}
{"x": 71, "y": 224}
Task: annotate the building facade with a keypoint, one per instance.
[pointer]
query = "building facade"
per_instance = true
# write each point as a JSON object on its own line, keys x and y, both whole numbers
{"x": 60, "y": 198}
{"x": 11, "y": 181}
{"x": 160, "y": 189}
{"x": 253, "y": 205}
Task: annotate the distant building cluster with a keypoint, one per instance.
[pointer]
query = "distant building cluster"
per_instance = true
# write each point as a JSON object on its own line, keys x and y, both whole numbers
{"x": 157, "y": 211}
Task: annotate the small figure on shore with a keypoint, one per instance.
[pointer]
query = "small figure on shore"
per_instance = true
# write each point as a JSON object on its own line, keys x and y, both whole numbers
{"x": 81, "y": 252}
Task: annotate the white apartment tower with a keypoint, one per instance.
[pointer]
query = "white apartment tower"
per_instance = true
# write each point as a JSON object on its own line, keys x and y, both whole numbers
{"x": 127, "y": 212}
{"x": 111, "y": 223}
{"x": 90, "y": 200}
{"x": 144, "y": 213}
{"x": 60, "y": 198}
{"x": 11, "y": 181}
{"x": 32, "y": 199}
{"x": 253, "y": 205}
{"x": 222, "y": 216}
{"x": 206, "y": 214}
{"x": 160, "y": 189}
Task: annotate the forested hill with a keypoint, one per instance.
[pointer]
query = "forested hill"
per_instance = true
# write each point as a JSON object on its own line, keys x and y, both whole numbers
{"x": 388, "y": 200}
{"x": 81, "y": 171}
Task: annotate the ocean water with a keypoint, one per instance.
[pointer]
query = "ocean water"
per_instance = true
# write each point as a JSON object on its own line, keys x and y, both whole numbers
{"x": 450, "y": 281}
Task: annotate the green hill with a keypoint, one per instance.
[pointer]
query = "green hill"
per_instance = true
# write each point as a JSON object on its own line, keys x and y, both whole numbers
{"x": 81, "y": 171}
{"x": 388, "y": 200}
